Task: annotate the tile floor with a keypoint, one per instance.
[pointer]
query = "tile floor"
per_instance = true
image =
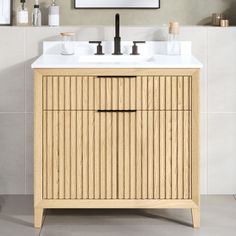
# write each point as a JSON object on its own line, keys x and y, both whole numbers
{"x": 218, "y": 218}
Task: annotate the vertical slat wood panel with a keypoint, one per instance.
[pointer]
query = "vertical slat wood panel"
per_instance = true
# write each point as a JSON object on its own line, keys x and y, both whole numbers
{"x": 73, "y": 148}
{"x": 139, "y": 93}
{"x": 144, "y": 93}
{"x": 79, "y": 147}
{"x": 67, "y": 155}
{"x": 90, "y": 93}
{"x": 97, "y": 139}
{"x": 45, "y": 151}
{"x": 109, "y": 93}
{"x": 180, "y": 93}
{"x": 180, "y": 154}
{"x": 79, "y": 89}
{"x": 150, "y": 139}
{"x": 103, "y": 153}
{"x": 109, "y": 155}
{"x": 126, "y": 139}
{"x": 162, "y": 154}
{"x": 133, "y": 93}
{"x": 61, "y": 154}
{"x": 186, "y": 92}
{"x": 174, "y": 94}
{"x": 150, "y": 93}
{"x": 91, "y": 154}
{"x": 85, "y": 88}
{"x": 49, "y": 155}
{"x": 186, "y": 154}
{"x": 138, "y": 146}
{"x": 55, "y": 154}
{"x": 138, "y": 155}
{"x": 133, "y": 170}
{"x": 168, "y": 154}
{"x": 67, "y": 93}
{"x": 168, "y": 93}
{"x": 67, "y": 138}
{"x": 97, "y": 154}
{"x": 114, "y": 137}
{"x": 91, "y": 137}
{"x": 126, "y": 156}
{"x": 85, "y": 154}
{"x": 156, "y": 154}
{"x": 162, "y": 93}
{"x": 61, "y": 93}
{"x": 190, "y": 154}
{"x": 55, "y": 115}
{"x": 114, "y": 151}
{"x": 44, "y": 92}
{"x": 73, "y": 93}
{"x": 103, "y": 93}
{"x": 174, "y": 154}
{"x": 144, "y": 155}
{"x": 156, "y": 95}
{"x": 120, "y": 155}
{"x": 49, "y": 93}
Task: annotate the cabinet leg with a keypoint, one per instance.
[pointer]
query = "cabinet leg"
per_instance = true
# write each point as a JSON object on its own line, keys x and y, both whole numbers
{"x": 196, "y": 217}
{"x": 38, "y": 217}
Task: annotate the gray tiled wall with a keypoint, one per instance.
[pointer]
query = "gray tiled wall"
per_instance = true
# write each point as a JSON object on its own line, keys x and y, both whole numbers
{"x": 215, "y": 47}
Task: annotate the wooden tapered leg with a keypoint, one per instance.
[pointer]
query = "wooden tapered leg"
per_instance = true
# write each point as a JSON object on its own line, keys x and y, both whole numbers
{"x": 196, "y": 217}
{"x": 38, "y": 217}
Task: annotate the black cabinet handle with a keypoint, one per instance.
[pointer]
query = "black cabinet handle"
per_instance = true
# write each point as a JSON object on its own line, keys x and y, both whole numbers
{"x": 116, "y": 111}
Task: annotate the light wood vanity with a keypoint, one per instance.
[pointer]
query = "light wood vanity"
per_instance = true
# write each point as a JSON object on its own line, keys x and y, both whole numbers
{"x": 116, "y": 138}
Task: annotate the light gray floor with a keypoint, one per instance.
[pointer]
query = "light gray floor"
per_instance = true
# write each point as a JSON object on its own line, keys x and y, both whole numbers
{"x": 218, "y": 218}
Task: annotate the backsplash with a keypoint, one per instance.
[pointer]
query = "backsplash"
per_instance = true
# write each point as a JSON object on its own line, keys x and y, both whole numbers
{"x": 187, "y": 12}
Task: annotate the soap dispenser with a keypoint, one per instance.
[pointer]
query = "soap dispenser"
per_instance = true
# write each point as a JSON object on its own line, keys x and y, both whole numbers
{"x": 54, "y": 14}
{"x": 22, "y": 16}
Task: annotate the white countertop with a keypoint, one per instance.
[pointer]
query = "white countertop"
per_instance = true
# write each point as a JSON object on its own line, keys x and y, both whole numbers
{"x": 161, "y": 61}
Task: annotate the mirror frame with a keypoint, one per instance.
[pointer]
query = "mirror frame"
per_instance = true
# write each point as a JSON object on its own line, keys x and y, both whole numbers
{"x": 158, "y": 5}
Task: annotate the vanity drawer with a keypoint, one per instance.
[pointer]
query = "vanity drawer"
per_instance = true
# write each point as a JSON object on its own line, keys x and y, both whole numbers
{"x": 90, "y": 93}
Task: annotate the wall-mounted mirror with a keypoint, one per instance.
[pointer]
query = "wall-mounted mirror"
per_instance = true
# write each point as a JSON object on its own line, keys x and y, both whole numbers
{"x": 117, "y": 4}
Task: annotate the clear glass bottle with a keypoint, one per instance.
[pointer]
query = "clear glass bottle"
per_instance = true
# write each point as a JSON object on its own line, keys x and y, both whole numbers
{"x": 22, "y": 14}
{"x": 67, "y": 47}
{"x": 173, "y": 44}
{"x": 173, "y": 31}
{"x": 36, "y": 15}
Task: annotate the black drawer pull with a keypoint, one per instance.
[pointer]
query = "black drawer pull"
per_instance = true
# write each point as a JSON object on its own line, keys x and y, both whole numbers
{"x": 116, "y": 76}
{"x": 116, "y": 110}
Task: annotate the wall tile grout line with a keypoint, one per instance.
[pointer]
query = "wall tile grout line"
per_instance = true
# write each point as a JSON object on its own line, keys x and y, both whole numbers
{"x": 207, "y": 115}
{"x": 25, "y": 119}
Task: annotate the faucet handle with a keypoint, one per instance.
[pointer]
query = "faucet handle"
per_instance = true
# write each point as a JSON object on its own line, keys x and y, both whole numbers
{"x": 135, "y": 47}
{"x": 99, "y": 47}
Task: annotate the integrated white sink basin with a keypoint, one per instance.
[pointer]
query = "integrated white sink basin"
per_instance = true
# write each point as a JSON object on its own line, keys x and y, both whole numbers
{"x": 114, "y": 59}
{"x": 152, "y": 55}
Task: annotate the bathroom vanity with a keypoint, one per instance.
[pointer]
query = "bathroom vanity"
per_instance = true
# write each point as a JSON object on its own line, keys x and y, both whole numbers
{"x": 116, "y": 134}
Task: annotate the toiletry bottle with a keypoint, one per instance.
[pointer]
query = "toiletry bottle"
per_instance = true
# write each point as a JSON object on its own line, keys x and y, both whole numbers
{"x": 174, "y": 29}
{"x": 53, "y": 14}
{"x": 36, "y": 15}
{"x": 22, "y": 14}
{"x": 173, "y": 45}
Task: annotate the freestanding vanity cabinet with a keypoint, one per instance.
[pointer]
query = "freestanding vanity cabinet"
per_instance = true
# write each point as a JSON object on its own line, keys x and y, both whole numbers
{"x": 123, "y": 138}
{"x": 116, "y": 138}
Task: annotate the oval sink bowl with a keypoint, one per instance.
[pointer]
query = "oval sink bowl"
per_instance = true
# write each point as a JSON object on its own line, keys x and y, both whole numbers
{"x": 114, "y": 59}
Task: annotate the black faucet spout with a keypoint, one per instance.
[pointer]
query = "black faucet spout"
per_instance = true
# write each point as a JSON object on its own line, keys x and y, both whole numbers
{"x": 117, "y": 38}
{"x": 117, "y": 23}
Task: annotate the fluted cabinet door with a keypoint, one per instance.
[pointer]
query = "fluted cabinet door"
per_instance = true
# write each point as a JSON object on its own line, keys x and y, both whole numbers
{"x": 117, "y": 137}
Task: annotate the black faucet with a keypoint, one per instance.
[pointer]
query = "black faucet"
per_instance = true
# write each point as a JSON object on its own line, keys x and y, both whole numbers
{"x": 117, "y": 39}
